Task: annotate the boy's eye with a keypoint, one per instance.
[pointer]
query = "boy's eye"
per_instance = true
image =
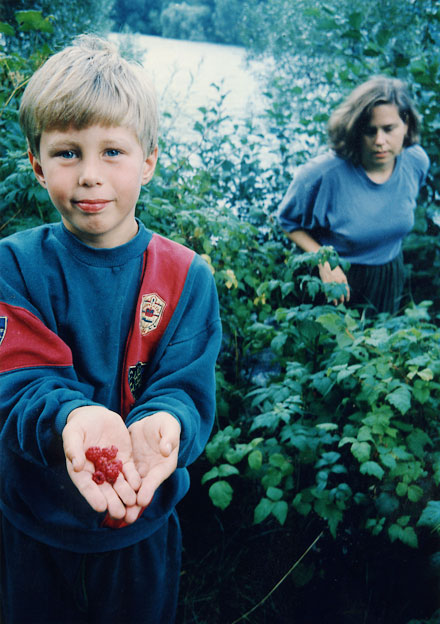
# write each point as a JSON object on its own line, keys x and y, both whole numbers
{"x": 67, "y": 154}
{"x": 112, "y": 152}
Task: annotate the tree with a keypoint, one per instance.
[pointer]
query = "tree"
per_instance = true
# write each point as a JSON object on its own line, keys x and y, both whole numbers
{"x": 67, "y": 19}
{"x": 184, "y": 21}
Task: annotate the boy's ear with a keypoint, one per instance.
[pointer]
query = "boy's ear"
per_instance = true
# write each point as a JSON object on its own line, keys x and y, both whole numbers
{"x": 37, "y": 169}
{"x": 149, "y": 166}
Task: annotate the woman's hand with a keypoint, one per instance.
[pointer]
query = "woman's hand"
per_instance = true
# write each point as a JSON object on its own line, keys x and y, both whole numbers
{"x": 327, "y": 275}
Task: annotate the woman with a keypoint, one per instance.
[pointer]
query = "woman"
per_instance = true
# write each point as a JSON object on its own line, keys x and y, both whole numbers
{"x": 360, "y": 198}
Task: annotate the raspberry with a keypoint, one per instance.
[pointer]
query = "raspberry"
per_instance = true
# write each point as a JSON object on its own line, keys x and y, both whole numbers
{"x": 98, "y": 477}
{"x": 93, "y": 453}
{"x": 107, "y": 467}
{"x": 101, "y": 463}
{"x": 118, "y": 463}
{"x": 112, "y": 471}
{"x": 109, "y": 452}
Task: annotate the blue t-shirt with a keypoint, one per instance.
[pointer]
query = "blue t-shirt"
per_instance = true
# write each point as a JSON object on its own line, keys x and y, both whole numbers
{"x": 339, "y": 205}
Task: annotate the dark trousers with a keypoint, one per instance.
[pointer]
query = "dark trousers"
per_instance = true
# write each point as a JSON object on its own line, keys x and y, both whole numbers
{"x": 134, "y": 585}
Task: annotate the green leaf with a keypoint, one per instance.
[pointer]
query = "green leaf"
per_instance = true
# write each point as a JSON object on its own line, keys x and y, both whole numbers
{"x": 221, "y": 494}
{"x": 255, "y": 459}
{"x": 280, "y": 510}
{"x": 417, "y": 440}
{"x": 415, "y": 493}
{"x": 406, "y": 535}
{"x": 430, "y": 516}
{"x": 331, "y": 322}
{"x": 262, "y": 510}
{"x": 33, "y": 20}
{"x": 400, "y": 398}
{"x": 329, "y": 512}
{"x": 274, "y": 493}
{"x": 302, "y": 507}
{"x": 6, "y": 29}
{"x": 278, "y": 343}
{"x": 401, "y": 488}
{"x": 277, "y": 460}
{"x": 361, "y": 450}
{"x": 226, "y": 470}
{"x": 355, "y": 20}
{"x": 211, "y": 474}
{"x": 421, "y": 391}
{"x": 372, "y": 468}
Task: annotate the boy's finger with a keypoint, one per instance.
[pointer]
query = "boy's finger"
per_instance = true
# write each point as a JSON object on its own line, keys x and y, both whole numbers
{"x": 124, "y": 491}
{"x": 74, "y": 448}
{"x": 132, "y": 475}
{"x": 115, "y": 506}
{"x": 88, "y": 488}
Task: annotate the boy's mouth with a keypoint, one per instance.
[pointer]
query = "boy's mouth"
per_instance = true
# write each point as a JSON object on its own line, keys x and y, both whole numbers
{"x": 91, "y": 205}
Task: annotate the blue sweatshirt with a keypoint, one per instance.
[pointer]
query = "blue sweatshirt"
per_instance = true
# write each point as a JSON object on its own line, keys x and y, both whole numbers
{"x": 339, "y": 205}
{"x": 73, "y": 324}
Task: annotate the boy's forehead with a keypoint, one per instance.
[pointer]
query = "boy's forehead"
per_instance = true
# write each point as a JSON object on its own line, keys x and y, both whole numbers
{"x": 93, "y": 132}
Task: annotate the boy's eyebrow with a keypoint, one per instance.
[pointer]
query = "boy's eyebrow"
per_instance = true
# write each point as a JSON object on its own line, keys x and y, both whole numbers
{"x": 69, "y": 143}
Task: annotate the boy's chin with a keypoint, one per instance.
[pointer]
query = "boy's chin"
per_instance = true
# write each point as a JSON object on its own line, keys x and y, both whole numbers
{"x": 103, "y": 237}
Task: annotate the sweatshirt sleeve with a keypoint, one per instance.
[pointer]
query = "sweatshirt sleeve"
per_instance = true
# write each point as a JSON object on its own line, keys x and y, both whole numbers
{"x": 38, "y": 384}
{"x": 182, "y": 373}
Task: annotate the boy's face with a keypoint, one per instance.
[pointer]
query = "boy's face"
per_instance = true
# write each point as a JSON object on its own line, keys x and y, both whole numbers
{"x": 93, "y": 177}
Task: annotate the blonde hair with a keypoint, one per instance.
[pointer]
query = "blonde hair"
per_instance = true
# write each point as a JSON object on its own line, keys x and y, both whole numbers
{"x": 85, "y": 84}
{"x": 349, "y": 121}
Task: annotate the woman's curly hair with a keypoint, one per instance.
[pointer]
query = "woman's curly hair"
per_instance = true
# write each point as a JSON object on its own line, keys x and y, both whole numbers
{"x": 348, "y": 122}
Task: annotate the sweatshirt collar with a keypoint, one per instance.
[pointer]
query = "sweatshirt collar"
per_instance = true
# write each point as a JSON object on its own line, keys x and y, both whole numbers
{"x": 104, "y": 257}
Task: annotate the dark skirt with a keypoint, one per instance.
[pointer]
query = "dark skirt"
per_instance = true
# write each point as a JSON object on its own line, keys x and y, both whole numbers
{"x": 377, "y": 288}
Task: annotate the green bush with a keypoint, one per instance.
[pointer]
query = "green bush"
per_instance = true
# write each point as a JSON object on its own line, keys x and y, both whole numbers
{"x": 346, "y": 430}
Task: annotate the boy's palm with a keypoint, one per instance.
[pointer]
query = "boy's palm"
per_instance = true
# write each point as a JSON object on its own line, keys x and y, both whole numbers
{"x": 155, "y": 443}
{"x": 97, "y": 426}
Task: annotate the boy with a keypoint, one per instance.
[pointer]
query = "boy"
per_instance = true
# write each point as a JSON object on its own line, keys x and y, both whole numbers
{"x": 108, "y": 338}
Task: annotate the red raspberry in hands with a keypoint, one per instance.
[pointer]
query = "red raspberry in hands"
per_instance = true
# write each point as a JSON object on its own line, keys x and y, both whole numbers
{"x": 100, "y": 463}
{"x": 112, "y": 472}
{"x": 107, "y": 467}
{"x": 93, "y": 453}
{"x": 98, "y": 477}
{"x": 109, "y": 452}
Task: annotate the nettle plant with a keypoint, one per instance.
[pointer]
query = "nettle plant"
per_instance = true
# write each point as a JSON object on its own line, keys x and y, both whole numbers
{"x": 347, "y": 430}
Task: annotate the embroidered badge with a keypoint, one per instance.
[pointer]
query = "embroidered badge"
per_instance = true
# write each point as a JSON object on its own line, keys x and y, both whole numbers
{"x": 137, "y": 376}
{"x": 152, "y": 308}
{"x": 3, "y": 326}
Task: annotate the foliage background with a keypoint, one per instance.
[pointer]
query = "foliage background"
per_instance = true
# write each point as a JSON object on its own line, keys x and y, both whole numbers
{"x": 327, "y": 422}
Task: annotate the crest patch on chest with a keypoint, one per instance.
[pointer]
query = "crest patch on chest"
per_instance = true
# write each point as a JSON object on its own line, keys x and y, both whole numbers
{"x": 152, "y": 308}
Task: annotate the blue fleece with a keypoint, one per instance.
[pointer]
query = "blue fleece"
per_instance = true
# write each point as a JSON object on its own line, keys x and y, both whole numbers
{"x": 87, "y": 298}
{"x": 339, "y": 205}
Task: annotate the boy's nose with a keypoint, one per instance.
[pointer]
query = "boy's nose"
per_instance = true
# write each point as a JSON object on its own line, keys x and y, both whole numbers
{"x": 89, "y": 174}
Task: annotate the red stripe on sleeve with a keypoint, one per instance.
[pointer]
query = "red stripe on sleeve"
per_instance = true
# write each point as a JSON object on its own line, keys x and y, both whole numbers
{"x": 28, "y": 342}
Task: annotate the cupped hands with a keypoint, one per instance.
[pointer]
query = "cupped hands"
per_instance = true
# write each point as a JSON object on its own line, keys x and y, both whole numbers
{"x": 148, "y": 450}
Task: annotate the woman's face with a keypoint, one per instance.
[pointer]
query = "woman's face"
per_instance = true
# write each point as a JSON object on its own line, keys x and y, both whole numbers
{"x": 382, "y": 139}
